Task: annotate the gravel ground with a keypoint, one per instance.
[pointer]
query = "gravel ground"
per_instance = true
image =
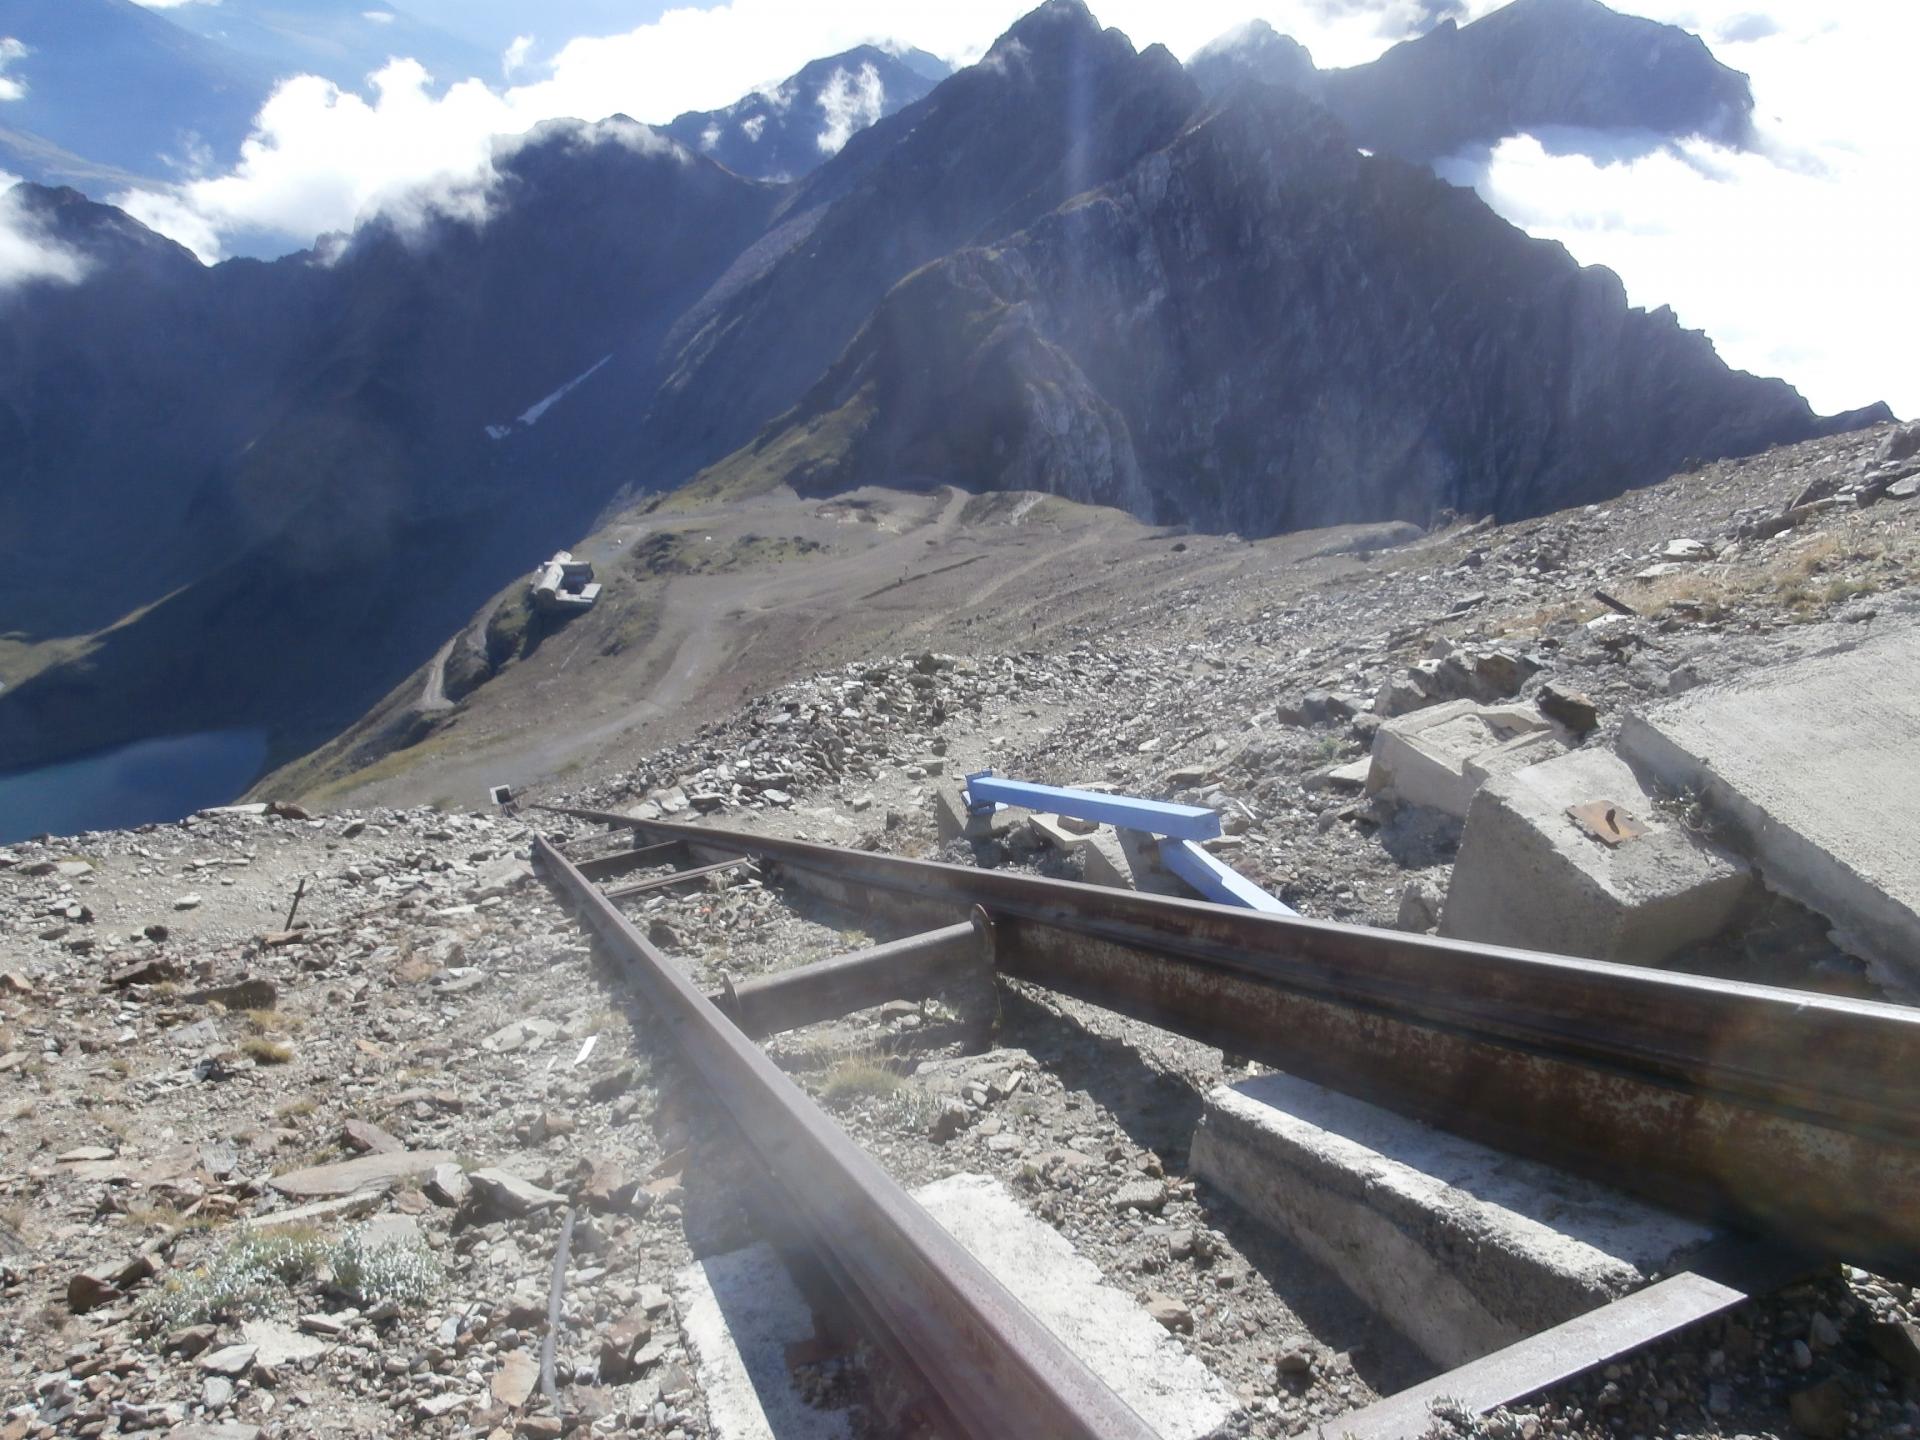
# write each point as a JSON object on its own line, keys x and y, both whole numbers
{"x": 175, "y": 1060}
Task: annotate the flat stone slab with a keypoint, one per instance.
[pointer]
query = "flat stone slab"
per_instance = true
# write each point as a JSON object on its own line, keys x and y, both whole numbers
{"x": 739, "y": 1313}
{"x": 1462, "y": 1248}
{"x": 1540, "y": 867}
{"x": 1814, "y": 768}
{"x": 1119, "y": 1341}
{"x": 347, "y": 1176}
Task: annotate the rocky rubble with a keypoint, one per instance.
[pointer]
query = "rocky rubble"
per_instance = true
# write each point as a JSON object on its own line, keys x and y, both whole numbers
{"x": 308, "y": 1174}
{"x": 334, "y": 1212}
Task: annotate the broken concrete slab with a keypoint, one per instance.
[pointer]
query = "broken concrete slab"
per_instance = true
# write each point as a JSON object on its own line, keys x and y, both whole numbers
{"x": 1122, "y": 1343}
{"x": 1809, "y": 769}
{"x": 739, "y": 1313}
{"x": 347, "y": 1176}
{"x": 1439, "y": 756}
{"x": 1533, "y": 873}
{"x": 1464, "y": 1249}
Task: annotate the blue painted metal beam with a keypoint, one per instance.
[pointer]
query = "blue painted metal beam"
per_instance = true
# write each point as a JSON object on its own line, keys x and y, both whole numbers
{"x": 1157, "y": 817}
{"x": 1217, "y": 880}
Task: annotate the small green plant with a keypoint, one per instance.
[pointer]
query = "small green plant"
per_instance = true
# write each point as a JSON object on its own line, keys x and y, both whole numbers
{"x": 371, "y": 1272}
{"x": 255, "y": 1274}
{"x": 245, "y": 1279}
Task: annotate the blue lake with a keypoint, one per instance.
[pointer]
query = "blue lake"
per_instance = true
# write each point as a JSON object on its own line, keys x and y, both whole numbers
{"x": 151, "y": 780}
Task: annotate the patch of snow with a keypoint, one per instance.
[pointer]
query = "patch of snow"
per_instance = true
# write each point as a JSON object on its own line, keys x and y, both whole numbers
{"x": 532, "y": 414}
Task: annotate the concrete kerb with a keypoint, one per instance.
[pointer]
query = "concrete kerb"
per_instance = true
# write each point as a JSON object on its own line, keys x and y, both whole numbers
{"x": 1165, "y": 1385}
{"x": 1462, "y": 1248}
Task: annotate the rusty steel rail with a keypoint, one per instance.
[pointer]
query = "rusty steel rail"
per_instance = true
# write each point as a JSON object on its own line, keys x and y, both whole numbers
{"x": 909, "y": 969}
{"x": 1792, "y": 1115}
{"x": 1727, "y": 1275}
{"x": 994, "y": 1368}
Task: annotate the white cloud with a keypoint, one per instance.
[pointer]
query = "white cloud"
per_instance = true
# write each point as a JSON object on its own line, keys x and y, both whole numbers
{"x": 11, "y": 53}
{"x": 1796, "y": 258}
{"x": 514, "y": 58}
{"x": 1792, "y": 259}
{"x": 849, "y": 103}
{"x": 378, "y": 17}
{"x": 27, "y": 252}
{"x": 173, "y": 4}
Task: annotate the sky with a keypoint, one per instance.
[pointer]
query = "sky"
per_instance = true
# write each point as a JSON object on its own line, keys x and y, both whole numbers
{"x": 1793, "y": 257}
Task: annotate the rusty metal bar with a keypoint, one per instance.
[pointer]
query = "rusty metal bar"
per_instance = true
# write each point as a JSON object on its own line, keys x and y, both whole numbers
{"x": 665, "y": 882}
{"x": 995, "y": 1368}
{"x": 909, "y": 969}
{"x": 1720, "y": 1279}
{"x": 1791, "y": 1113}
{"x": 605, "y": 867}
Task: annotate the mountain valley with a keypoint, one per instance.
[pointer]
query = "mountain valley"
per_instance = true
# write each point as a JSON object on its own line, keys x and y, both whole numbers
{"x": 1063, "y": 269}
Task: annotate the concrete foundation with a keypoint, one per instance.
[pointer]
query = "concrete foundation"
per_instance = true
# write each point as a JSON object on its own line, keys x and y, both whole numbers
{"x": 1461, "y": 1248}
{"x": 1531, "y": 874}
{"x": 1814, "y": 771}
{"x": 1171, "y": 1390}
{"x": 953, "y": 820}
{"x": 739, "y": 1313}
{"x": 1439, "y": 756}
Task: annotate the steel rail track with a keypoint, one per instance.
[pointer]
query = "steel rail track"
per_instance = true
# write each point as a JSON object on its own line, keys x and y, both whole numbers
{"x": 994, "y": 1368}
{"x": 1787, "y": 1114}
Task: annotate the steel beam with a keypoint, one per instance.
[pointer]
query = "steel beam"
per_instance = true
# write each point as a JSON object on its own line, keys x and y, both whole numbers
{"x": 1726, "y": 1276}
{"x": 1217, "y": 881}
{"x": 909, "y": 969}
{"x": 605, "y": 867}
{"x": 1792, "y": 1113}
{"x": 995, "y": 1368}
{"x": 666, "y": 882}
{"x": 1158, "y": 817}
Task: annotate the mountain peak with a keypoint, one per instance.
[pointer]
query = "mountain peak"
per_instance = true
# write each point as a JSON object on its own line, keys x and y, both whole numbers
{"x": 1253, "y": 51}
{"x": 1050, "y": 26}
{"x": 781, "y": 132}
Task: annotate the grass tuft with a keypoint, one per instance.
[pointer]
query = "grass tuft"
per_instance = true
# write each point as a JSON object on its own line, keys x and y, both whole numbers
{"x": 864, "y": 1075}
{"x": 263, "y": 1051}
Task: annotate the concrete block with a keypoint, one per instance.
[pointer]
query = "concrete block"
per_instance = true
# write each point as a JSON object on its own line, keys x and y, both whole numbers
{"x": 1105, "y": 860}
{"x": 954, "y": 821}
{"x": 1529, "y": 874}
{"x": 1462, "y": 1248}
{"x": 1118, "y": 1340}
{"x": 739, "y": 1313}
{"x": 1811, "y": 770}
{"x": 1439, "y": 756}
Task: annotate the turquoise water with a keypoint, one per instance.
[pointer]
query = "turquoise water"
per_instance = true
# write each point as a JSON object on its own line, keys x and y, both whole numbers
{"x": 147, "y": 781}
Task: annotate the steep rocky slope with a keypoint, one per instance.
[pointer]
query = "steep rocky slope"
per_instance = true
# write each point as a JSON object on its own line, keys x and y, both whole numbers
{"x": 1260, "y": 329}
{"x": 113, "y": 84}
{"x": 786, "y": 130}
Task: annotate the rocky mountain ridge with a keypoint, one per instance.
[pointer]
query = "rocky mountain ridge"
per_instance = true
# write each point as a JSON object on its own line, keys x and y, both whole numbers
{"x": 300, "y": 477}
{"x": 786, "y": 130}
{"x": 1533, "y": 65}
